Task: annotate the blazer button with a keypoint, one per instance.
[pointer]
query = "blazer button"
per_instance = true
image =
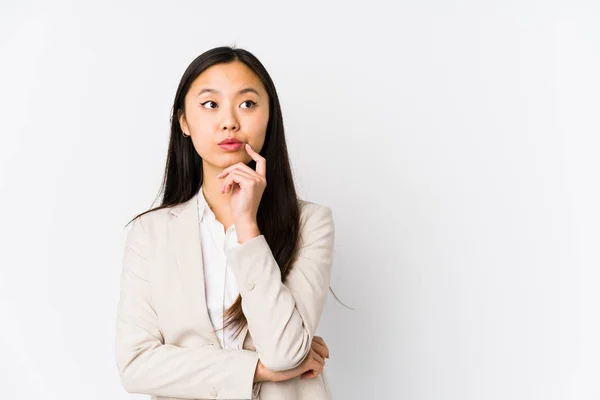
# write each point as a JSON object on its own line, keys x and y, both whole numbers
{"x": 250, "y": 286}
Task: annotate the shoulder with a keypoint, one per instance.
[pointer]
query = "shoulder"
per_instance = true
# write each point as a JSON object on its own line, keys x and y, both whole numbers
{"x": 310, "y": 208}
{"x": 315, "y": 216}
{"x": 153, "y": 218}
{"x": 145, "y": 226}
{"x": 317, "y": 230}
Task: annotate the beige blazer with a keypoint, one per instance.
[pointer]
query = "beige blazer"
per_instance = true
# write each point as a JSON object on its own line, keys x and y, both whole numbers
{"x": 165, "y": 345}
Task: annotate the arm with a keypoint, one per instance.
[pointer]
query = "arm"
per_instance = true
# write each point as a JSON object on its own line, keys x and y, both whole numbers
{"x": 282, "y": 318}
{"x": 146, "y": 365}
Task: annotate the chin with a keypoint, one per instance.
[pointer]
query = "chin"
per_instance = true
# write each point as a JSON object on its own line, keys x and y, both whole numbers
{"x": 227, "y": 159}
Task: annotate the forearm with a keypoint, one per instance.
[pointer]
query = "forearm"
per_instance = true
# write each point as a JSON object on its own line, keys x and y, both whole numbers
{"x": 149, "y": 366}
{"x": 187, "y": 373}
{"x": 278, "y": 332}
{"x": 265, "y": 374}
{"x": 282, "y": 318}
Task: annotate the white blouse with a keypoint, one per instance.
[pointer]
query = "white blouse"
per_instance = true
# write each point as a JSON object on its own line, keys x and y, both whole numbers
{"x": 220, "y": 283}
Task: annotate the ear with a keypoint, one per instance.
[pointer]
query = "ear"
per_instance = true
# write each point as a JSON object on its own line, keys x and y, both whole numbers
{"x": 182, "y": 122}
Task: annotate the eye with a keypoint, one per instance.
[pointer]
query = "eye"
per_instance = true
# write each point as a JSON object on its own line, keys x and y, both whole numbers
{"x": 251, "y": 102}
{"x": 206, "y": 102}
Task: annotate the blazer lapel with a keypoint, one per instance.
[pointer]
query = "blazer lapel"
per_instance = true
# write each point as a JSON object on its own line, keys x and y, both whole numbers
{"x": 184, "y": 230}
{"x": 245, "y": 339}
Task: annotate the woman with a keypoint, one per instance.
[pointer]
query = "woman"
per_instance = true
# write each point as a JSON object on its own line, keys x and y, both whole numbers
{"x": 224, "y": 283}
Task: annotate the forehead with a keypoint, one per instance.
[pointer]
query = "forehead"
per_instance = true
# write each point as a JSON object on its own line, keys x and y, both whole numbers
{"x": 227, "y": 78}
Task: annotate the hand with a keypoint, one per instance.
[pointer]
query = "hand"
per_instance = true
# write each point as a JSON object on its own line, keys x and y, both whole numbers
{"x": 311, "y": 367}
{"x": 247, "y": 185}
{"x": 319, "y": 346}
{"x": 312, "y": 362}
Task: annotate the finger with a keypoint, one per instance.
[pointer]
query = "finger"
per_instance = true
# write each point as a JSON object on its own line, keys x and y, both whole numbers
{"x": 319, "y": 348}
{"x": 320, "y": 340}
{"x": 317, "y": 368}
{"x": 318, "y": 358}
{"x": 238, "y": 177}
{"x": 261, "y": 162}
{"x": 236, "y": 166}
{"x": 308, "y": 374}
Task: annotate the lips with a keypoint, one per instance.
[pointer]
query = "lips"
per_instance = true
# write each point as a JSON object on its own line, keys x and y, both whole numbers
{"x": 230, "y": 141}
{"x": 231, "y": 145}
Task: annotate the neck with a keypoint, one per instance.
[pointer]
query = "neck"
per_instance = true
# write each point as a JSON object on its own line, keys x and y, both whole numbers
{"x": 211, "y": 188}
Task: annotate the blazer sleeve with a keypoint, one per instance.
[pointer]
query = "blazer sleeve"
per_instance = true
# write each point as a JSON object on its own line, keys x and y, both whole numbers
{"x": 146, "y": 364}
{"x": 283, "y": 316}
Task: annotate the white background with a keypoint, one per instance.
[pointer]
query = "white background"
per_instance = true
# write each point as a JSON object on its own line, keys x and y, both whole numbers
{"x": 456, "y": 142}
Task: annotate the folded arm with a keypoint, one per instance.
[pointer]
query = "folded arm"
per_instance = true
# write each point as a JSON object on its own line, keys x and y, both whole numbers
{"x": 283, "y": 316}
{"x": 148, "y": 366}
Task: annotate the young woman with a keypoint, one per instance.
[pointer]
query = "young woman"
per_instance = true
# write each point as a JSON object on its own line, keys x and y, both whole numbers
{"x": 224, "y": 283}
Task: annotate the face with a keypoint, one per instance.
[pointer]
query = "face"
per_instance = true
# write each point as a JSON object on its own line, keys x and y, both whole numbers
{"x": 226, "y": 101}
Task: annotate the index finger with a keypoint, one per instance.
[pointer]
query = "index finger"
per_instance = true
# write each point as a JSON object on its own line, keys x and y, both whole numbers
{"x": 261, "y": 162}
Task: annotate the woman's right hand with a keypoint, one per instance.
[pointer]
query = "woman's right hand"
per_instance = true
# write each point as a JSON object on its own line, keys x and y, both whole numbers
{"x": 311, "y": 367}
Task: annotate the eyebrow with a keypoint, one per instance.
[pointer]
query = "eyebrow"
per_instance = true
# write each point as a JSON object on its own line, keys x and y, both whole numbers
{"x": 245, "y": 90}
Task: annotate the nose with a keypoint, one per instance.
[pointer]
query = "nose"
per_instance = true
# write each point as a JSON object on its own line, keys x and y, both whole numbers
{"x": 229, "y": 122}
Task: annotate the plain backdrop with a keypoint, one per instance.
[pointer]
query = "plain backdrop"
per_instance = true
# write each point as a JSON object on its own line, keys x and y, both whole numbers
{"x": 456, "y": 142}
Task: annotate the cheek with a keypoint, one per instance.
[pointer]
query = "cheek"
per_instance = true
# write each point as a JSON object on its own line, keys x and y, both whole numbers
{"x": 202, "y": 133}
{"x": 259, "y": 123}
{"x": 265, "y": 116}
{"x": 203, "y": 141}
{"x": 203, "y": 124}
